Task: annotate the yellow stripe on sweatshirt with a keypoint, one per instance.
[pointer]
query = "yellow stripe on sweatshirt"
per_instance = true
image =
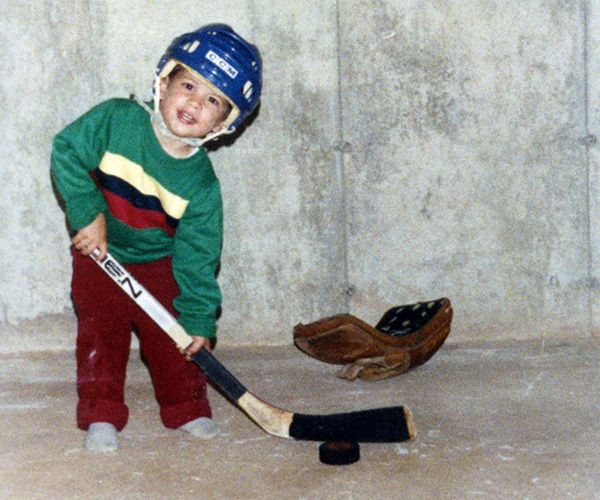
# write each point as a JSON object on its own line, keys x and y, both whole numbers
{"x": 133, "y": 174}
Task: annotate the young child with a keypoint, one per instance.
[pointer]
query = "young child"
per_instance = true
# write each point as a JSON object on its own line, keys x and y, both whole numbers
{"x": 134, "y": 178}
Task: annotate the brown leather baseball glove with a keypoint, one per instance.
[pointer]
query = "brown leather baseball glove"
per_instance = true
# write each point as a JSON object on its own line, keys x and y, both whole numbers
{"x": 405, "y": 336}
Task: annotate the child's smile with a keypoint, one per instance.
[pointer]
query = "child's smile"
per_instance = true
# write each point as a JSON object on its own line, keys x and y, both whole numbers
{"x": 186, "y": 118}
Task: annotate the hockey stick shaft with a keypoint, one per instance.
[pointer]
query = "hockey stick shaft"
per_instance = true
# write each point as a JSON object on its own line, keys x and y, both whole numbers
{"x": 379, "y": 425}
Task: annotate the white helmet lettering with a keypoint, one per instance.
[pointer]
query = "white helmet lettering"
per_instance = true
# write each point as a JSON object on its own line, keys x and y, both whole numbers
{"x": 221, "y": 63}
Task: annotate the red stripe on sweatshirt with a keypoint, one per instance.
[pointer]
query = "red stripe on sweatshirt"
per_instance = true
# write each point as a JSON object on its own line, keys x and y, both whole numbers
{"x": 133, "y": 216}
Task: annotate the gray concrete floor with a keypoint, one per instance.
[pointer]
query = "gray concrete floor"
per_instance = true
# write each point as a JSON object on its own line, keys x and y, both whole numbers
{"x": 517, "y": 420}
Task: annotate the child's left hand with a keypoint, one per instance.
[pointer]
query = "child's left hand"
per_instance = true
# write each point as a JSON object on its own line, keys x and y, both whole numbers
{"x": 197, "y": 344}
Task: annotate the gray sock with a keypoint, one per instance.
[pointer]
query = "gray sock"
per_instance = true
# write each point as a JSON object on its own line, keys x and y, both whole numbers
{"x": 202, "y": 428}
{"x": 101, "y": 437}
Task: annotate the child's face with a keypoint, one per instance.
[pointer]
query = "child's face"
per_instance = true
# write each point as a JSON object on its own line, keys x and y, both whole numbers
{"x": 189, "y": 107}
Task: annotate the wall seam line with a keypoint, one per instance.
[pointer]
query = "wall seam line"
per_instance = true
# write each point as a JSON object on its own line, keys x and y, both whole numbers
{"x": 586, "y": 123}
{"x": 340, "y": 165}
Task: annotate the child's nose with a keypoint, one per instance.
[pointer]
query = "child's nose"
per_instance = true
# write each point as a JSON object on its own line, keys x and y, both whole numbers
{"x": 197, "y": 100}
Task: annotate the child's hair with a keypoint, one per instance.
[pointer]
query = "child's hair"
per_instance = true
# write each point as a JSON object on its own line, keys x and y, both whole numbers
{"x": 177, "y": 69}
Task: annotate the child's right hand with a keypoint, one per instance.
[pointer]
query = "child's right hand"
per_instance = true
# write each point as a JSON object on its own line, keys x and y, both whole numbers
{"x": 197, "y": 344}
{"x": 91, "y": 237}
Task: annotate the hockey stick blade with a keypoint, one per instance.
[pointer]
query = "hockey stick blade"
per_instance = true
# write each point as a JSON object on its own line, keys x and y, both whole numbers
{"x": 381, "y": 425}
{"x": 392, "y": 424}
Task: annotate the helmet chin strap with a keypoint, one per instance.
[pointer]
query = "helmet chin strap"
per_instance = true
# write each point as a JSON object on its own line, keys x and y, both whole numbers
{"x": 157, "y": 118}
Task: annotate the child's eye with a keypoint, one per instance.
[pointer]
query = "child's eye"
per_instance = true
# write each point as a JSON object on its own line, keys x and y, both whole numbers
{"x": 214, "y": 101}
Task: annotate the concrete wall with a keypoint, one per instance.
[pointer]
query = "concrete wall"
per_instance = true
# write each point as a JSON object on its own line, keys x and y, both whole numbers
{"x": 469, "y": 180}
{"x": 403, "y": 151}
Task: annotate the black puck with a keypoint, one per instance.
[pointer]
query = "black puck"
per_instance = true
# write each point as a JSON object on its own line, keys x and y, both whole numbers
{"x": 339, "y": 452}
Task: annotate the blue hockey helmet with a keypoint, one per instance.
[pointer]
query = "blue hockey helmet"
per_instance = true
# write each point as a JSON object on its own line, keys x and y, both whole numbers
{"x": 225, "y": 61}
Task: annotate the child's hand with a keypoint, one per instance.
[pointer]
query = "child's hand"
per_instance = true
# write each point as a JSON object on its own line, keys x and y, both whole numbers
{"x": 197, "y": 344}
{"x": 91, "y": 237}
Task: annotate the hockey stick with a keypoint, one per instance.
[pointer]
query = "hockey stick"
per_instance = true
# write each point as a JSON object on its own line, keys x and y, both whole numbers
{"x": 381, "y": 425}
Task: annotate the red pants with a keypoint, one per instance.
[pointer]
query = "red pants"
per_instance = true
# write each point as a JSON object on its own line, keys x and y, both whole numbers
{"x": 106, "y": 316}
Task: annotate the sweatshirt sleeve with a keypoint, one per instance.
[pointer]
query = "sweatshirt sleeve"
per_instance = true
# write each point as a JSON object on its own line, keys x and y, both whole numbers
{"x": 76, "y": 151}
{"x": 196, "y": 257}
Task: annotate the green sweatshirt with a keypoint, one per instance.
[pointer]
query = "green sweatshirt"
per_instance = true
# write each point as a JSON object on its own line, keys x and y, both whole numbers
{"x": 109, "y": 160}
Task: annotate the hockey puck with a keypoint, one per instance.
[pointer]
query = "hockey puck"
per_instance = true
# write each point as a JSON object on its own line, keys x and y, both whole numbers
{"x": 339, "y": 452}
